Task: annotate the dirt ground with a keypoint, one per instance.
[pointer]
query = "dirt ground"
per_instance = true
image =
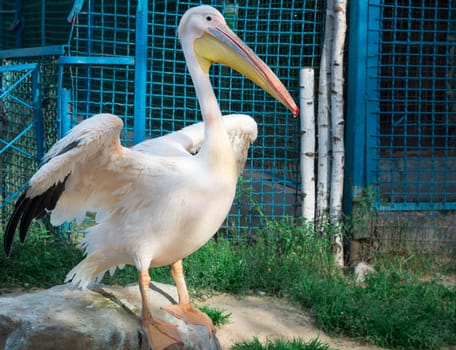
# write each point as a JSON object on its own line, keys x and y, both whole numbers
{"x": 262, "y": 317}
{"x": 270, "y": 318}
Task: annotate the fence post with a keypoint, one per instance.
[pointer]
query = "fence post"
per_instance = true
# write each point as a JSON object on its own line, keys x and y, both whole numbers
{"x": 37, "y": 113}
{"x": 362, "y": 102}
{"x": 18, "y": 24}
{"x": 140, "y": 71}
{"x": 64, "y": 112}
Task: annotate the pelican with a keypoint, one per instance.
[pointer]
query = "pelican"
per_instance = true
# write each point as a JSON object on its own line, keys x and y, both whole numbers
{"x": 157, "y": 202}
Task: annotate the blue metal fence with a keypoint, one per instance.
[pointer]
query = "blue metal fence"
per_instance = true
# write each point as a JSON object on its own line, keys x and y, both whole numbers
{"x": 28, "y": 117}
{"x": 124, "y": 58}
{"x": 143, "y": 79}
{"x": 21, "y": 128}
{"x": 401, "y": 113}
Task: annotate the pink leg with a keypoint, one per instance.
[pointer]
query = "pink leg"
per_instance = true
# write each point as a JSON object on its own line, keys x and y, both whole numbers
{"x": 159, "y": 333}
{"x": 184, "y": 310}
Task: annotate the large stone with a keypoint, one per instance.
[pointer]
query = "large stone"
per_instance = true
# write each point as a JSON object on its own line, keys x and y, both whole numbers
{"x": 103, "y": 317}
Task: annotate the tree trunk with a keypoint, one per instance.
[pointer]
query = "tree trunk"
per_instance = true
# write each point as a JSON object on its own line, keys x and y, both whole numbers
{"x": 337, "y": 127}
{"x": 324, "y": 146}
{"x": 307, "y": 143}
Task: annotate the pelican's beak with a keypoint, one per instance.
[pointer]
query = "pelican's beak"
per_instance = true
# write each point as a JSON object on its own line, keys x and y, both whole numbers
{"x": 220, "y": 45}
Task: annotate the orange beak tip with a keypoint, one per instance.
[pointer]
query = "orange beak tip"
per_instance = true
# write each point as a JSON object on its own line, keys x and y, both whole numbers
{"x": 296, "y": 112}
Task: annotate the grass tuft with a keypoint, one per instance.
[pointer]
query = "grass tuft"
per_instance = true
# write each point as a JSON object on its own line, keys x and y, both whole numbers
{"x": 218, "y": 317}
{"x": 294, "y": 344}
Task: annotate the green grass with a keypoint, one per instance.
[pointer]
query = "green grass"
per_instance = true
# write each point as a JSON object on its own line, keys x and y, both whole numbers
{"x": 294, "y": 344}
{"x": 42, "y": 262}
{"x": 218, "y": 317}
{"x": 401, "y": 306}
{"x": 390, "y": 311}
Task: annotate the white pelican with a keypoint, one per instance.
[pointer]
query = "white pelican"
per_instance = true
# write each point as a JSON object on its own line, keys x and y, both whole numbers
{"x": 156, "y": 203}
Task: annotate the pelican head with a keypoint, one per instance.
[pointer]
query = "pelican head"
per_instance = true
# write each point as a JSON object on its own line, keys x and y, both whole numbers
{"x": 206, "y": 38}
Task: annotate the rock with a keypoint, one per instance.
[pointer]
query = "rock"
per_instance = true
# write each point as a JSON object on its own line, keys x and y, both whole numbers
{"x": 103, "y": 317}
{"x": 361, "y": 271}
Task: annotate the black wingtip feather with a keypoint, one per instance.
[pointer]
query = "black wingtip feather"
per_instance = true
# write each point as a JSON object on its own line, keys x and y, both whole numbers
{"x": 29, "y": 209}
{"x": 26, "y": 219}
{"x": 13, "y": 222}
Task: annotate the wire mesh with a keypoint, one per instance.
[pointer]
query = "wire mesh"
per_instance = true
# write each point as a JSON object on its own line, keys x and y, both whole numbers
{"x": 33, "y": 23}
{"x": 417, "y": 100}
{"x": 103, "y": 29}
{"x": 286, "y": 34}
{"x": 18, "y": 138}
{"x": 17, "y": 163}
{"x": 409, "y": 106}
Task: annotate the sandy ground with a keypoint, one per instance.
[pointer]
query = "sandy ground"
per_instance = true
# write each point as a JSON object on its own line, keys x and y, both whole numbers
{"x": 270, "y": 318}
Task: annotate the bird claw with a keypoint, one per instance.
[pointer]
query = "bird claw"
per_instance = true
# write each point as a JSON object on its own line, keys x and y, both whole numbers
{"x": 161, "y": 335}
{"x": 191, "y": 315}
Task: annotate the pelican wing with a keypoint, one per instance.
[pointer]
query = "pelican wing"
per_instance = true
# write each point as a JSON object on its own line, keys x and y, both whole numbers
{"x": 87, "y": 170}
{"x": 242, "y": 130}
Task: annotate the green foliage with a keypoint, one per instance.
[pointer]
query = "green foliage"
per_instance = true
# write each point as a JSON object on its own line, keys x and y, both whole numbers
{"x": 42, "y": 262}
{"x": 218, "y": 317}
{"x": 268, "y": 264}
{"x": 420, "y": 265}
{"x": 217, "y": 266}
{"x": 294, "y": 344}
{"x": 129, "y": 274}
{"x": 391, "y": 310}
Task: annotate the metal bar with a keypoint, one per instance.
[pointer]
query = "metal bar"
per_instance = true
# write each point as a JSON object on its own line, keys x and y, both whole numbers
{"x": 51, "y": 50}
{"x": 422, "y": 206}
{"x": 64, "y": 116}
{"x": 43, "y": 22}
{"x": 16, "y": 149}
{"x": 371, "y": 96}
{"x": 63, "y": 105}
{"x": 16, "y": 83}
{"x": 2, "y": 12}
{"x": 9, "y": 199}
{"x": 20, "y": 27}
{"x": 18, "y": 136}
{"x": 37, "y": 114}
{"x": 60, "y": 101}
{"x": 18, "y": 100}
{"x": 18, "y": 67}
{"x": 97, "y": 60}
{"x": 139, "y": 132}
{"x": 355, "y": 144}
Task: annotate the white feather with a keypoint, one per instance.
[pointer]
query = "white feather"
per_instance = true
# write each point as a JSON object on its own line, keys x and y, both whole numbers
{"x": 130, "y": 188}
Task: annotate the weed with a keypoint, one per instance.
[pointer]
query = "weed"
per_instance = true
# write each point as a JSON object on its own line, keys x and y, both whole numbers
{"x": 218, "y": 317}
{"x": 294, "y": 344}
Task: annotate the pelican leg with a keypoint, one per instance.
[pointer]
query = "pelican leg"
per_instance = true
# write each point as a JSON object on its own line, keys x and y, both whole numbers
{"x": 160, "y": 334}
{"x": 184, "y": 309}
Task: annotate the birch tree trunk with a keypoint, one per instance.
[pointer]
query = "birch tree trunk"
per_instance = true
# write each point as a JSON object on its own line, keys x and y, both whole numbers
{"x": 337, "y": 127}
{"x": 324, "y": 146}
{"x": 306, "y": 79}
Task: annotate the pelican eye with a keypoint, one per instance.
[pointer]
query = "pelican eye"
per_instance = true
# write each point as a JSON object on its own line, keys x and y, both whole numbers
{"x": 209, "y": 18}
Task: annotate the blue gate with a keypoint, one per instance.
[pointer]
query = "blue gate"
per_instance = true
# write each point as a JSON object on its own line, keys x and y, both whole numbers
{"x": 21, "y": 129}
{"x": 401, "y": 116}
